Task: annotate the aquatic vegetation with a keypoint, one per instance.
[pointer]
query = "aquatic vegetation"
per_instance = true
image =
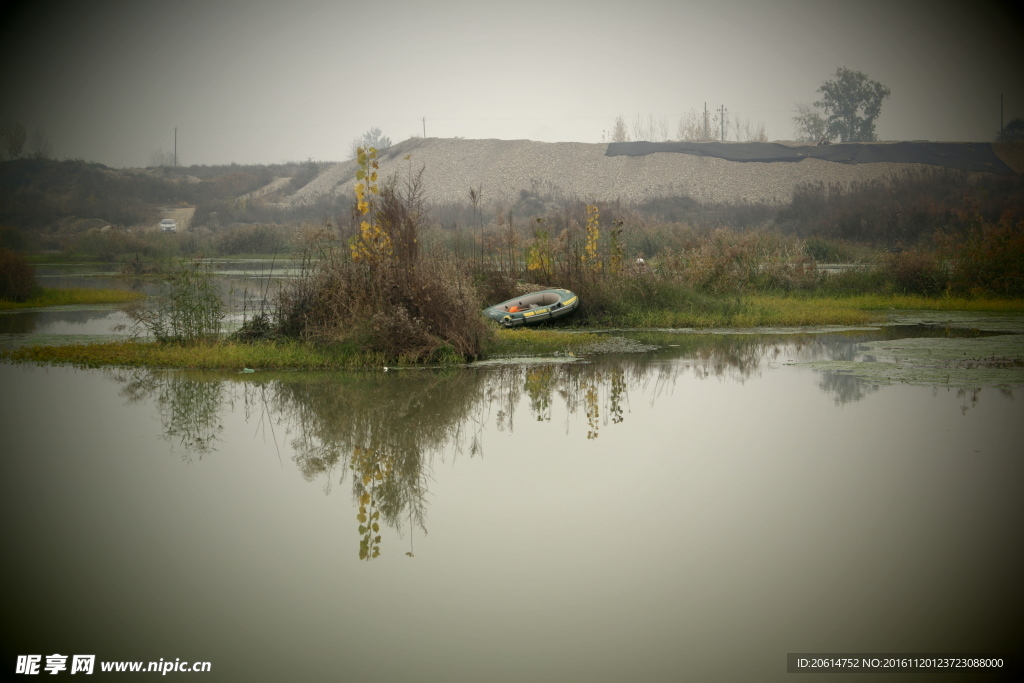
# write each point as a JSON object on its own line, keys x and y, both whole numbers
{"x": 74, "y": 297}
{"x": 965, "y": 362}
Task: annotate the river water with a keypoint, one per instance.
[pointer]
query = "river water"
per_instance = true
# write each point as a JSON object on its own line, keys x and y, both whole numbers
{"x": 694, "y": 512}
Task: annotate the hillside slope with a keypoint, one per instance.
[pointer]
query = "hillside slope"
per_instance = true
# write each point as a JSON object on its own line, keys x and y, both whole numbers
{"x": 504, "y": 168}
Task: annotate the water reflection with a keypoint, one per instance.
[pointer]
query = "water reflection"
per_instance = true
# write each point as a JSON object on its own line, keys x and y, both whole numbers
{"x": 845, "y": 388}
{"x": 738, "y": 357}
{"x": 49, "y": 326}
{"x": 382, "y": 431}
{"x": 190, "y": 408}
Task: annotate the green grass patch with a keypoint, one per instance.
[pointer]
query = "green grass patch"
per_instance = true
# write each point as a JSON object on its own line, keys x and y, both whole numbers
{"x": 538, "y": 342}
{"x": 778, "y": 310}
{"x": 74, "y": 297}
{"x": 275, "y": 355}
{"x": 880, "y": 302}
{"x": 224, "y": 355}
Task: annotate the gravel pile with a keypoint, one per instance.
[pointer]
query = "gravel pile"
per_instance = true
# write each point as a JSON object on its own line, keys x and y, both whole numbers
{"x": 581, "y": 170}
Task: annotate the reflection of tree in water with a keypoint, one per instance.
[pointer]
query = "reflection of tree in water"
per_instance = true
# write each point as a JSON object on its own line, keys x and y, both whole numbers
{"x": 845, "y": 388}
{"x": 385, "y": 429}
{"x": 189, "y": 409}
{"x": 19, "y": 323}
{"x": 969, "y": 397}
{"x": 736, "y": 357}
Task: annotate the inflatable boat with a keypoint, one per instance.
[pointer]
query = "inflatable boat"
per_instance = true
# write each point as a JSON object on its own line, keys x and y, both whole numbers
{"x": 533, "y": 308}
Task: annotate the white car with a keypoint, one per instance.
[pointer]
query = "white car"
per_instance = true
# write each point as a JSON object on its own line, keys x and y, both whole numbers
{"x": 168, "y": 225}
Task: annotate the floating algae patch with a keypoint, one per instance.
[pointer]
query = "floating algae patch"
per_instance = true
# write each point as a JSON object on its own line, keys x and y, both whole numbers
{"x": 996, "y": 360}
{"x": 979, "y": 320}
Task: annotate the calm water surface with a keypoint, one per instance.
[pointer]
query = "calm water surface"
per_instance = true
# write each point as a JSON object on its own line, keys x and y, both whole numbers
{"x": 243, "y": 283}
{"x": 693, "y": 513}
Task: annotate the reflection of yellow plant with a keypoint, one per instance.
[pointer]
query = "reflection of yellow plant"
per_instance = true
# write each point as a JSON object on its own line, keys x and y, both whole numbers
{"x": 590, "y": 254}
{"x": 373, "y": 243}
{"x": 540, "y": 382}
{"x": 590, "y": 401}
{"x": 370, "y": 467}
{"x": 618, "y": 389}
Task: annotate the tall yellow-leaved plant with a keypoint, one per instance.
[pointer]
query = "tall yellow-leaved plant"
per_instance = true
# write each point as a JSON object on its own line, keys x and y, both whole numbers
{"x": 373, "y": 243}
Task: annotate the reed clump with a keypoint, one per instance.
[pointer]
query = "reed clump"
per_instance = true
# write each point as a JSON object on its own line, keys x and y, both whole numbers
{"x": 381, "y": 294}
{"x": 426, "y": 313}
{"x": 190, "y": 309}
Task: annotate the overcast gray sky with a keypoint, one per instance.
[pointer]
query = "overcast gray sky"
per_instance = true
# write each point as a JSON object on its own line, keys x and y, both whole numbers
{"x": 261, "y": 81}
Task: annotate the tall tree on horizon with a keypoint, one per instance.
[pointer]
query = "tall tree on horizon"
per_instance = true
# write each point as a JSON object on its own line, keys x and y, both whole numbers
{"x": 851, "y": 102}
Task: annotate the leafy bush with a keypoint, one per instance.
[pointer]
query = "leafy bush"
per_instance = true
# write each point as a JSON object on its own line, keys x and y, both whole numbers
{"x": 17, "y": 277}
{"x": 189, "y": 310}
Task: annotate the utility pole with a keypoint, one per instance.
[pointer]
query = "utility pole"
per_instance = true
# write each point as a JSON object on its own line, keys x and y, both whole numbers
{"x": 175, "y": 147}
{"x": 721, "y": 120}
{"x": 705, "y": 119}
{"x": 424, "y": 127}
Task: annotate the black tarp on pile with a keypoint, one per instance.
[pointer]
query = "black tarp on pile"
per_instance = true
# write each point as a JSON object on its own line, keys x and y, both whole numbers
{"x": 968, "y": 156}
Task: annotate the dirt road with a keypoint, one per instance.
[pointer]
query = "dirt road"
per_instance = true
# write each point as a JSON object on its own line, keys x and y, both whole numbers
{"x": 182, "y": 215}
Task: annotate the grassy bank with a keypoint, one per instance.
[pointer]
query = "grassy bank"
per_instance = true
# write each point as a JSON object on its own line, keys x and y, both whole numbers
{"x": 751, "y": 311}
{"x": 275, "y": 355}
{"x": 73, "y": 297}
{"x": 776, "y": 310}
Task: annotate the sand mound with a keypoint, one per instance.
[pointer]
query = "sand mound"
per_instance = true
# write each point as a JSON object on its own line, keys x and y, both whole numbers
{"x": 505, "y": 168}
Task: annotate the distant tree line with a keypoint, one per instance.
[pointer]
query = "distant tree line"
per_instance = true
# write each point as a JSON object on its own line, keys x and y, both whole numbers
{"x": 16, "y": 143}
{"x": 1012, "y": 131}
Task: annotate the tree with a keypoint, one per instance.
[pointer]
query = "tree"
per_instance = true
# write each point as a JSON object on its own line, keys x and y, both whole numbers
{"x": 619, "y": 132}
{"x": 1012, "y": 131}
{"x": 371, "y": 138}
{"x": 12, "y": 139}
{"x": 39, "y": 146}
{"x": 694, "y": 126}
{"x": 851, "y": 103}
{"x": 651, "y": 130}
{"x": 161, "y": 157}
{"x": 810, "y": 125}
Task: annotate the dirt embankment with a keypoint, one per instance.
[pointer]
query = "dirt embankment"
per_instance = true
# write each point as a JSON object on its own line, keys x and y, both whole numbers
{"x": 503, "y": 169}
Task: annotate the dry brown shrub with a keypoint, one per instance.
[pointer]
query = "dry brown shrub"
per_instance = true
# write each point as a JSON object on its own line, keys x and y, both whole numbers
{"x": 987, "y": 258}
{"x": 915, "y": 271}
{"x": 17, "y": 277}
{"x": 730, "y": 261}
{"x": 425, "y": 312}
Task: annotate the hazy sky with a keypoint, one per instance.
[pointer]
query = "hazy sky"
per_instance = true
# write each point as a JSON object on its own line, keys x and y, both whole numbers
{"x": 256, "y": 81}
